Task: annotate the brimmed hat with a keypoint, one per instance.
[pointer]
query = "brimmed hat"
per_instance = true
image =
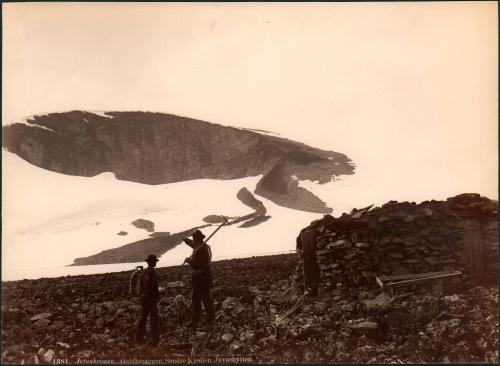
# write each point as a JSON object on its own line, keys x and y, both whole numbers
{"x": 198, "y": 234}
{"x": 151, "y": 258}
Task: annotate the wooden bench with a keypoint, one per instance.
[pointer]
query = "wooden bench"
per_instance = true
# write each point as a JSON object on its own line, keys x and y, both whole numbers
{"x": 436, "y": 278}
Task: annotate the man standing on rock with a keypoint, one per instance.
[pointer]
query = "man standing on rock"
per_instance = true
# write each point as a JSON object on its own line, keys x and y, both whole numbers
{"x": 306, "y": 247}
{"x": 201, "y": 277}
{"x": 149, "y": 295}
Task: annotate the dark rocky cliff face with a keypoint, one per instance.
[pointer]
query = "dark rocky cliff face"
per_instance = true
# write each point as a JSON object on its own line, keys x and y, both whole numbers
{"x": 156, "y": 148}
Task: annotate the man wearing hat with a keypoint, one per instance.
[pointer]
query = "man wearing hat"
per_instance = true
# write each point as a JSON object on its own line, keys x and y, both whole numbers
{"x": 201, "y": 277}
{"x": 149, "y": 295}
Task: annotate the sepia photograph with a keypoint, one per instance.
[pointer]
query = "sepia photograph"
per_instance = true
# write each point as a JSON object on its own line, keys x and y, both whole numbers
{"x": 249, "y": 183}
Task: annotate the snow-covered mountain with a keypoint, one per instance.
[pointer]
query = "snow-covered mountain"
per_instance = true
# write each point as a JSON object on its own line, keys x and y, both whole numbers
{"x": 158, "y": 148}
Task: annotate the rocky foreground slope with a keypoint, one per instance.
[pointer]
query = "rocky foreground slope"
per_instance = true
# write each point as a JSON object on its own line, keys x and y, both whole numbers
{"x": 262, "y": 316}
{"x": 157, "y": 148}
{"x": 92, "y": 317}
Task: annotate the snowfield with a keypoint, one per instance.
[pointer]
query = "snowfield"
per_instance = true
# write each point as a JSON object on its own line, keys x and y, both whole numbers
{"x": 49, "y": 219}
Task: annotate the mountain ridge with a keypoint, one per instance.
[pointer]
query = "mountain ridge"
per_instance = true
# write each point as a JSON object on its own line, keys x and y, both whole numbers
{"x": 158, "y": 148}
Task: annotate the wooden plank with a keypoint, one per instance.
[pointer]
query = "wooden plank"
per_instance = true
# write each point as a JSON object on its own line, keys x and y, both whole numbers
{"x": 414, "y": 276}
{"x": 420, "y": 280}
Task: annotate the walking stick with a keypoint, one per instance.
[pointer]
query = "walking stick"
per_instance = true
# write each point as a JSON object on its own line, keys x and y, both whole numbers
{"x": 205, "y": 241}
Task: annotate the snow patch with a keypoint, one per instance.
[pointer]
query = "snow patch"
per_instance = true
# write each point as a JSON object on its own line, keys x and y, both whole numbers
{"x": 34, "y": 124}
{"x": 100, "y": 113}
{"x": 262, "y": 132}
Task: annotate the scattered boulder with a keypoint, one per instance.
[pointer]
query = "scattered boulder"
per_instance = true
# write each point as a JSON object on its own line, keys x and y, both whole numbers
{"x": 40, "y": 316}
{"x": 436, "y": 329}
{"x": 63, "y": 345}
{"x": 214, "y": 219}
{"x": 277, "y": 298}
{"x": 41, "y": 323}
{"x": 364, "y": 325}
{"x": 176, "y": 285}
{"x": 121, "y": 312}
{"x": 320, "y": 306}
{"x": 380, "y": 302}
{"x": 108, "y": 306}
{"x": 362, "y": 245}
{"x": 49, "y": 356}
{"x": 227, "y": 337}
{"x": 230, "y": 303}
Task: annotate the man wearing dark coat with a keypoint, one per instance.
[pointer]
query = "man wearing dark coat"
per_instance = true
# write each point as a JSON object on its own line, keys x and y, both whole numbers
{"x": 149, "y": 295}
{"x": 201, "y": 276}
{"x": 308, "y": 262}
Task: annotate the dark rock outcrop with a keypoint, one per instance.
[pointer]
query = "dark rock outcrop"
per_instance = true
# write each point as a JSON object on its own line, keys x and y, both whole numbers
{"x": 144, "y": 224}
{"x": 255, "y": 218}
{"x": 137, "y": 251}
{"x": 156, "y": 148}
{"x": 245, "y": 196}
{"x": 255, "y": 221}
{"x": 214, "y": 219}
{"x": 280, "y": 184}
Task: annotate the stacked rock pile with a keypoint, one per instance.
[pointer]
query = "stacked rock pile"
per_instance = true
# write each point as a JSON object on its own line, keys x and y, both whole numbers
{"x": 406, "y": 238}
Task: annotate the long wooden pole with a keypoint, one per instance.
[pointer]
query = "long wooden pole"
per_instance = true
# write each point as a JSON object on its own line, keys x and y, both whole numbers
{"x": 205, "y": 241}
{"x": 220, "y": 226}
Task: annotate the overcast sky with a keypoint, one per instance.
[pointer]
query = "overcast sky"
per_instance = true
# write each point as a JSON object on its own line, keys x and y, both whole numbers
{"x": 407, "y": 90}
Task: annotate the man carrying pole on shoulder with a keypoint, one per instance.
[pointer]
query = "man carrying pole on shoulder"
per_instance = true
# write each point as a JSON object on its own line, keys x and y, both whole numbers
{"x": 201, "y": 276}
